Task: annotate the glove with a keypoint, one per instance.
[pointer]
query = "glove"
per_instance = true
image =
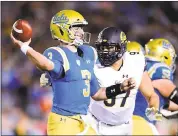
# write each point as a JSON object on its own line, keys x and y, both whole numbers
{"x": 153, "y": 114}
{"x": 44, "y": 80}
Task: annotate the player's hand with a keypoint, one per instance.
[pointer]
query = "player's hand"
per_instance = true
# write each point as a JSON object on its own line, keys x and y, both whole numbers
{"x": 19, "y": 43}
{"x": 153, "y": 114}
{"x": 44, "y": 80}
{"x": 128, "y": 84}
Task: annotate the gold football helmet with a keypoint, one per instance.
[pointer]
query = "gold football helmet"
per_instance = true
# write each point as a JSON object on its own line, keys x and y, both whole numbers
{"x": 133, "y": 46}
{"x": 62, "y": 23}
{"x": 161, "y": 50}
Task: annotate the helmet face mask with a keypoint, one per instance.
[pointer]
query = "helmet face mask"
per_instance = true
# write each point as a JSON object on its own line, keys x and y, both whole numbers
{"x": 77, "y": 34}
{"x": 173, "y": 65}
{"x": 111, "y": 45}
{"x": 109, "y": 54}
{"x": 87, "y": 37}
{"x": 67, "y": 26}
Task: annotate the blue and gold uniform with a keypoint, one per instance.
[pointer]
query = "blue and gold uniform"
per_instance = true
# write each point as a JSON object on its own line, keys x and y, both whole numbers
{"x": 156, "y": 70}
{"x": 73, "y": 83}
{"x": 160, "y": 55}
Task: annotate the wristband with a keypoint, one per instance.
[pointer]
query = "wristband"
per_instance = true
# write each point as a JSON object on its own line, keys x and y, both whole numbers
{"x": 113, "y": 90}
{"x": 25, "y": 48}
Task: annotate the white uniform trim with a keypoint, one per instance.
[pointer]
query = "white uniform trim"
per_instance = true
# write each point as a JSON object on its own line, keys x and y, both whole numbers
{"x": 153, "y": 69}
{"x": 95, "y": 54}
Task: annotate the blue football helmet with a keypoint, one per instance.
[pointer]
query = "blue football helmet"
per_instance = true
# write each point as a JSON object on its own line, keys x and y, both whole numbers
{"x": 110, "y": 45}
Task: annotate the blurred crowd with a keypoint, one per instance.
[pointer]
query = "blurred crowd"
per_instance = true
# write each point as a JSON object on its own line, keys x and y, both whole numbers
{"x": 25, "y": 104}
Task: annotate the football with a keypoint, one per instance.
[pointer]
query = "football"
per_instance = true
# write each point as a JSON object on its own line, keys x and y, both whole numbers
{"x": 21, "y": 30}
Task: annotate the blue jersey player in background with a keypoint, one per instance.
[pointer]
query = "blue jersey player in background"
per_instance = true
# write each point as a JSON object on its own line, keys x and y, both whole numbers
{"x": 160, "y": 57}
{"x": 70, "y": 67}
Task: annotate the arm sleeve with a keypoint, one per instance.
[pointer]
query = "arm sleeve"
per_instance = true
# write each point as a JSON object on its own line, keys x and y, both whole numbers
{"x": 56, "y": 58}
{"x": 94, "y": 85}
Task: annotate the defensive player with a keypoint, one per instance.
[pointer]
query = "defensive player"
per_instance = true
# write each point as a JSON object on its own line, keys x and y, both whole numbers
{"x": 114, "y": 116}
{"x": 70, "y": 67}
{"x": 160, "y": 55}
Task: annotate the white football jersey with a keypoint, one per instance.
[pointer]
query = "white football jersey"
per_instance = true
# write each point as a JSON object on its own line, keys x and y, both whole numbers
{"x": 118, "y": 110}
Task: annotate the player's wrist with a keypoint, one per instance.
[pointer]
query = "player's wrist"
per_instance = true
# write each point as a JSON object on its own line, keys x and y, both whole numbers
{"x": 121, "y": 88}
{"x": 25, "y": 48}
{"x": 155, "y": 109}
{"x": 113, "y": 91}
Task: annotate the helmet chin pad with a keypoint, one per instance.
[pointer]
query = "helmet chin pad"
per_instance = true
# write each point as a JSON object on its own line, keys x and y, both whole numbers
{"x": 78, "y": 42}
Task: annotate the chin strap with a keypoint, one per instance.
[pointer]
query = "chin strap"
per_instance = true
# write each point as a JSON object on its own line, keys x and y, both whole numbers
{"x": 77, "y": 42}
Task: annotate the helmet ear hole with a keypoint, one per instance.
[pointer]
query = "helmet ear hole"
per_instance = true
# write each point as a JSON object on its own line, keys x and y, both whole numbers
{"x": 62, "y": 33}
{"x": 165, "y": 57}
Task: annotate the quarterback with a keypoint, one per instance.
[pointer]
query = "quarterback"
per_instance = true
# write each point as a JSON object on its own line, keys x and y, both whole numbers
{"x": 70, "y": 67}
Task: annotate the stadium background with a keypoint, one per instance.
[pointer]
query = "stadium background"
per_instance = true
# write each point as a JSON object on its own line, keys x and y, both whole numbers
{"x": 24, "y": 104}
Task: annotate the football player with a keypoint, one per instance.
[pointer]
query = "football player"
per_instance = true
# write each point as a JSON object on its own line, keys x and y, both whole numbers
{"x": 70, "y": 67}
{"x": 114, "y": 116}
{"x": 160, "y": 56}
